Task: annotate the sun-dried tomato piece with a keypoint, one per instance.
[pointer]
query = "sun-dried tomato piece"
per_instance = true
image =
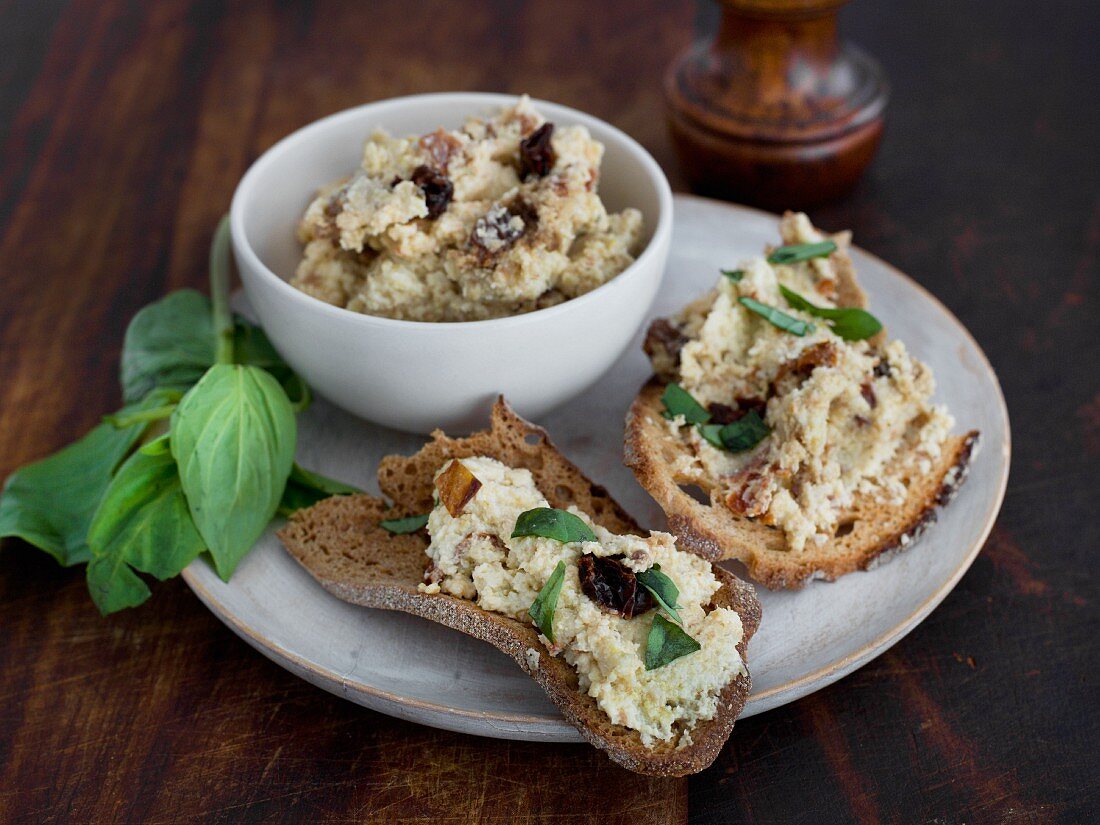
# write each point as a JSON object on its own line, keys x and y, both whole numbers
{"x": 440, "y": 146}
{"x": 456, "y": 486}
{"x": 536, "y": 154}
{"x": 663, "y": 342}
{"x": 437, "y": 188}
{"x": 868, "y": 393}
{"x": 613, "y": 586}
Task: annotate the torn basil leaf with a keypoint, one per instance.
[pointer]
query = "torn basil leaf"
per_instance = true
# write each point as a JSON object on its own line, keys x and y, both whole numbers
{"x": 551, "y": 523}
{"x": 666, "y": 643}
{"x": 305, "y": 488}
{"x": 850, "y": 323}
{"x": 679, "y": 401}
{"x": 777, "y": 318}
{"x": 743, "y": 434}
{"x": 404, "y": 526}
{"x": 664, "y": 590}
{"x": 734, "y": 275}
{"x": 802, "y": 252}
{"x": 546, "y": 602}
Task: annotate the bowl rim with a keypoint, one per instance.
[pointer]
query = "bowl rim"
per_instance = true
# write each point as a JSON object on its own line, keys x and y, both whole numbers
{"x": 660, "y": 236}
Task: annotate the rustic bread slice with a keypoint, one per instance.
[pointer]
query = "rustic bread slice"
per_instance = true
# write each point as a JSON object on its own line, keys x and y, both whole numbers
{"x": 868, "y": 532}
{"x": 340, "y": 543}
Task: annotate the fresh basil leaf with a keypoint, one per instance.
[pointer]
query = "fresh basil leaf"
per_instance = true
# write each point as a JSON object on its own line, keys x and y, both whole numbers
{"x": 169, "y": 343}
{"x": 802, "y": 252}
{"x": 141, "y": 524}
{"x": 679, "y": 401}
{"x": 712, "y": 434}
{"x": 738, "y": 436}
{"x": 777, "y": 318}
{"x": 403, "y": 526}
{"x": 50, "y": 503}
{"x": 550, "y": 523}
{"x": 546, "y": 602}
{"x": 734, "y": 275}
{"x": 305, "y": 488}
{"x": 666, "y": 643}
{"x": 850, "y": 323}
{"x": 664, "y": 590}
{"x": 233, "y": 437}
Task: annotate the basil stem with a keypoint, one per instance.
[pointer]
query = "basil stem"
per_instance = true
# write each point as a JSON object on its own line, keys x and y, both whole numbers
{"x": 219, "y": 293}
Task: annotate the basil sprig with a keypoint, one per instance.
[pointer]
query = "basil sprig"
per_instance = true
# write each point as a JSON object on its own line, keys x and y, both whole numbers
{"x": 546, "y": 602}
{"x": 679, "y": 401}
{"x": 404, "y": 526}
{"x": 666, "y": 643}
{"x": 551, "y": 523}
{"x": 850, "y": 323}
{"x": 737, "y": 436}
{"x": 776, "y": 317}
{"x": 663, "y": 589}
{"x": 216, "y": 404}
{"x": 794, "y": 253}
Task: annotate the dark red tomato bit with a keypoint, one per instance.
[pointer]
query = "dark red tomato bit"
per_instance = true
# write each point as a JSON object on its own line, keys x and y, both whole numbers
{"x": 438, "y": 189}
{"x": 536, "y": 154}
{"x": 613, "y": 586}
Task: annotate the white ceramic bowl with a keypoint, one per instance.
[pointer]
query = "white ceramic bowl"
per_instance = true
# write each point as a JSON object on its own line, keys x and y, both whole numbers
{"x": 417, "y": 376}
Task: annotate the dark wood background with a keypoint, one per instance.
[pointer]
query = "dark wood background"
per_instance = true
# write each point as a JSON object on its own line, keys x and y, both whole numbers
{"x": 124, "y": 127}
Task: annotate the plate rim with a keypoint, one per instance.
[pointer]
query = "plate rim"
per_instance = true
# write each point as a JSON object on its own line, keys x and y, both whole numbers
{"x": 777, "y": 696}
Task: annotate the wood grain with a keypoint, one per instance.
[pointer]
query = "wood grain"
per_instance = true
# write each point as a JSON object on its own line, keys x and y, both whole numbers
{"x": 123, "y": 129}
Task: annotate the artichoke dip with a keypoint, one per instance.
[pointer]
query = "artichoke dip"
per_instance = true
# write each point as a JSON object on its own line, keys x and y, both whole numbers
{"x": 630, "y": 614}
{"x": 789, "y": 407}
{"x": 498, "y": 218}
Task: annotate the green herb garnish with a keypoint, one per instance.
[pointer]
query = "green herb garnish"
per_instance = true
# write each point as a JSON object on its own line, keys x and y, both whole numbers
{"x": 802, "y": 252}
{"x": 734, "y": 275}
{"x": 403, "y": 526}
{"x": 738, "y": 436}
{"x": 305, "y": 488}
{"x": 216, "y": 405}
{"x": 546, "y": 602}
{"x": 679, "y": 401}
{"x": 777, "y": 318}
{"x": 850, "y": 323}
{"x": 664, "y": 590}
{"x": 551, "y": 523}
{"x": 666, "y": 643}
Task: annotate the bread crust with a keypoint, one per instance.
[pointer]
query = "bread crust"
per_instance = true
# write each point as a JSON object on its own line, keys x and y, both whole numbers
{"x": 713, "y": 531}
{"x": 341, "y": 545}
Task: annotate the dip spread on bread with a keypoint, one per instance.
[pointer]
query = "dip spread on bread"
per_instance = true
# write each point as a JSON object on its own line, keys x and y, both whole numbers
{"x": 630, "y": 614}
{"x": 497, "y": 218}
{"x": 800, "y": 408}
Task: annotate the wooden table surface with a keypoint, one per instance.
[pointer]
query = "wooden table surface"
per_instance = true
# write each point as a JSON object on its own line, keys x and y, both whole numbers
{"x": 124, "y": 127}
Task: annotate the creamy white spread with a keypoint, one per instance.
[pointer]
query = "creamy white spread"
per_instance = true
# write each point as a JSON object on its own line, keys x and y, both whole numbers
{"x": 474, "y": 557}
{"x": 841, "y": 413}
{"x": 508, "y": 239}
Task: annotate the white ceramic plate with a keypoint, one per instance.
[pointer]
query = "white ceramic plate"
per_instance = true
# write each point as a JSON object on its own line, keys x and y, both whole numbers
{"x": 408, "y": 667}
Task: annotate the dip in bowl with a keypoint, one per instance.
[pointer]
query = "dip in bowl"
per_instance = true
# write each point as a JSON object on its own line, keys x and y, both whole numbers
{"x": 419, "y": 375}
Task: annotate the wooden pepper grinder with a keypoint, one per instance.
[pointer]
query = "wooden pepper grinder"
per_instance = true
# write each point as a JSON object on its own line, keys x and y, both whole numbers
{"x": 775, "y": 111}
